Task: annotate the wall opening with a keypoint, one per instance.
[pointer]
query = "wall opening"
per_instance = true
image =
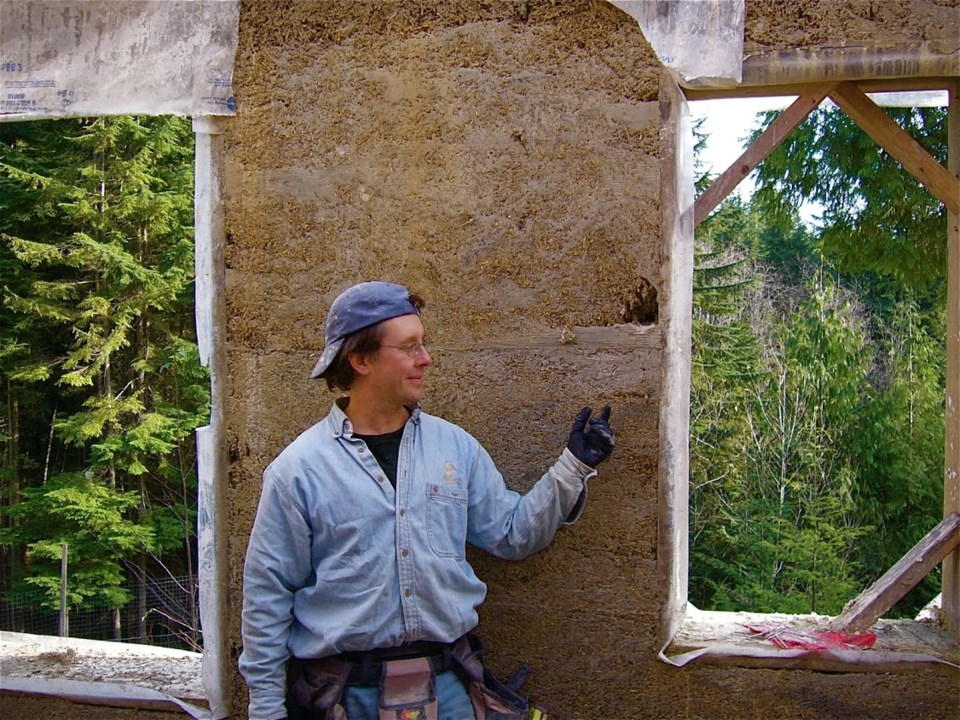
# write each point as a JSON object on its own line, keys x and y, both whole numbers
{"x": 134, "y": 234}
{"x": 722, "y": 512}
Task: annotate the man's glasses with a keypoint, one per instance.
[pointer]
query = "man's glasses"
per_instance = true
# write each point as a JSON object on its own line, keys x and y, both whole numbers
{"x": 412, "y": 349}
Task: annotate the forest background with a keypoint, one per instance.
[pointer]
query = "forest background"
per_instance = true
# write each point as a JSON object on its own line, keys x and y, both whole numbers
{"x": 101, "y": 384}
{"x": 817, "y": 398}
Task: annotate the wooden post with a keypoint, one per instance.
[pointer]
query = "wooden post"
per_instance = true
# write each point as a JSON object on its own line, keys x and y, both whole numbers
{"x": 64, "y": 612}
{"x": 951, "y": 478}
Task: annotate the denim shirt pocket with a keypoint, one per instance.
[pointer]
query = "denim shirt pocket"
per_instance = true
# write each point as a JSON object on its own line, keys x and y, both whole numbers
{"x": 447, "y": 520}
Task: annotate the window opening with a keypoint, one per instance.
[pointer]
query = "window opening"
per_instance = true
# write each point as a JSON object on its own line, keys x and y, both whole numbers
{"x": 801, "y": 501}
{"x": 102, "y": 387}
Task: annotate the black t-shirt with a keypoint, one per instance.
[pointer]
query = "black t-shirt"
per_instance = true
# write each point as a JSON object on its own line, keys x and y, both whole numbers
{"x": 386, "y": 449}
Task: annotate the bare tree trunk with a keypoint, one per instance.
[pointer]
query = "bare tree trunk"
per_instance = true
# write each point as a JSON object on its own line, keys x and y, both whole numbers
{"x": 46, "y": 459}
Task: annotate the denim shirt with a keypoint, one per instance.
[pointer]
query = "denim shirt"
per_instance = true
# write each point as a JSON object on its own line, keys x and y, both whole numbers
{"x": 340, "y": 561}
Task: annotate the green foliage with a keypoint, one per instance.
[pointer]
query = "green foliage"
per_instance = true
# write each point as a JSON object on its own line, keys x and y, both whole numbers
{"x": 876, "y": 216}
{"x": 817, "y": 386}
{"x": 772, "y": 503}
{"x": 899, "y": 446}
{"x": 725, "y": 361}
{"x": 93, "y": 521}
{"x": 96, "y": 256}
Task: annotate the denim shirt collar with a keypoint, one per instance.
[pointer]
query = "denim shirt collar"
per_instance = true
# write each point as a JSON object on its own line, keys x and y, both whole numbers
{"x": 340, "y": 424}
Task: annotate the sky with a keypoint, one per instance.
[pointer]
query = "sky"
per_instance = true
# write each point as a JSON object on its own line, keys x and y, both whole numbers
{"x": 727, "y": 123}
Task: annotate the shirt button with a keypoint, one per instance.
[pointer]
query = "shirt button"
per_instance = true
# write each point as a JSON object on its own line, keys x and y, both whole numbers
{"x": 381, "y": 479}
{"x": 402, "y": 512}
{"x": 404, "y": 553}
{"x": 408, "y": 592}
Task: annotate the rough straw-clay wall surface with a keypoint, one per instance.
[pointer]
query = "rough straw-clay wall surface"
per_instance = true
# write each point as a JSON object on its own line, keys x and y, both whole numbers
{"x": 503, "y": 160}
{"x": 772, "y": 24}
{"x": 503, "y": 163}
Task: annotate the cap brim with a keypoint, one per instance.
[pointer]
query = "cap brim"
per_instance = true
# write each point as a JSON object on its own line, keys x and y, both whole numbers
{"x": 326, "y": 357}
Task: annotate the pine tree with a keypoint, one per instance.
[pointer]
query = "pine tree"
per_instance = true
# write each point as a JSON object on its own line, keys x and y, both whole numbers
{"x": 779, "y": 523}
{"x": 779, "y": 374}
{"x": 876, "y": 216}
{"x": 898, "y": 447}
{"x": 724, "y": 362}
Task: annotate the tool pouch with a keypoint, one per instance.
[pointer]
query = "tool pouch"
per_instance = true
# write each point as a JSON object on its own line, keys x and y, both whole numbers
{"x": 408, "y": 690}
{"x": 317, "y": 686}
{"x": 491, "y": 698}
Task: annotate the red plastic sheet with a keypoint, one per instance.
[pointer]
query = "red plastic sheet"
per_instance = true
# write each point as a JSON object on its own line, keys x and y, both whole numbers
{"x": 789, "y": 638}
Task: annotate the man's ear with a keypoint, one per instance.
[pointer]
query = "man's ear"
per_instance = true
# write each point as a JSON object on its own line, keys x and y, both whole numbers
{"x": 360, "y": 362}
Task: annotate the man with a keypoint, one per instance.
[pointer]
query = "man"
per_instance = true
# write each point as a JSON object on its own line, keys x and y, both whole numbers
{"x": 356, "y": 571}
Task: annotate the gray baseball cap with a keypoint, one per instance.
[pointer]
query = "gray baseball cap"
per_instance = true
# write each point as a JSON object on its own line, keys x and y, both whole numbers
{"x": 359, "y": 307}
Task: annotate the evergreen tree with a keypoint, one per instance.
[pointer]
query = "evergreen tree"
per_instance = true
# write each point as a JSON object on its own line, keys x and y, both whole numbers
{"x": 840, "y": 469}
{"x": 898, "y": 448}
{"x": 773, "y": 518}
{"x": 826, "y": 356}
{"x": 884, "y": 234}
{"x": 724, "y": 363}
{"x": 102, "y": 242}
{"x": 876, "y": 216}
{"x": 95, "y": 523}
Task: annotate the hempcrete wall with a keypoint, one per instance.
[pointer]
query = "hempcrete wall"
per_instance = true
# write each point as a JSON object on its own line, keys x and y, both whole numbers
{"x": 503, "y": 160}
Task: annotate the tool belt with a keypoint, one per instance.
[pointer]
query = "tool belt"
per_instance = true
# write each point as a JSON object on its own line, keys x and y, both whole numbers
{"x": 367, "y": 667}
{"x": 405, "y": 676}
{"x": 491, "y": 698}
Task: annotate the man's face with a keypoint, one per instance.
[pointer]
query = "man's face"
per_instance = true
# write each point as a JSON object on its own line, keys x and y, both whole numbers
{"x": 398, "y": 367}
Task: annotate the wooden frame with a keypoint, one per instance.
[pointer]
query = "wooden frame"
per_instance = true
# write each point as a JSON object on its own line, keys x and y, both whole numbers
{"x": 942, "y": 542}
{"x": 778, "y": 131}
{"x": 863, "y": 611}
{"x": 951, "y": 478}
{"x": 871, "y": 118}
{"x": 911, "y": 154}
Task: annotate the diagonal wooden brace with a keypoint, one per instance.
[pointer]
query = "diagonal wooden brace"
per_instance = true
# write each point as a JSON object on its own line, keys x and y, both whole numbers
{"x": 892, "y": 138}
{"x": 778, "y": 131}
{"x": 864, "y": 610}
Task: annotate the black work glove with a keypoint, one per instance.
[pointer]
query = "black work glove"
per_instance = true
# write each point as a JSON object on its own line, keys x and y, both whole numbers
{"x": 591, "y": 441}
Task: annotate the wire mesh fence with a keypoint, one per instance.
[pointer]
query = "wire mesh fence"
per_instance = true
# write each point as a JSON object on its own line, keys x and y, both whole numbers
{"x": 170, "y": 615}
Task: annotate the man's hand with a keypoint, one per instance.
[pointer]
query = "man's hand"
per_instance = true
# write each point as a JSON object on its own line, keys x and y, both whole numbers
{"x": 591, "y": 441}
